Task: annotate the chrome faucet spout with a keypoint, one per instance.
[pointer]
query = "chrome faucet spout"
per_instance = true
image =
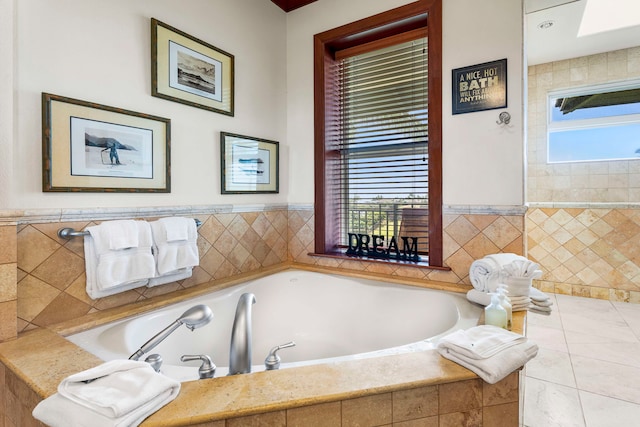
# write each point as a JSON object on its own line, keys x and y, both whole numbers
{"x": 240, "y": 351}
{"x": 195, "y": 317}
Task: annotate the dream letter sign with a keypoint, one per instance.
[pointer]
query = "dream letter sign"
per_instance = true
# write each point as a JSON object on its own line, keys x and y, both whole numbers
{"x": 480, "y": 87}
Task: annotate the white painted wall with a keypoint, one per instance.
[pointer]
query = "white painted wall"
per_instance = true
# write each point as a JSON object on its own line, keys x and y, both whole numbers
{"x": 99, "y": 51}
{"x": 483, "y": 162}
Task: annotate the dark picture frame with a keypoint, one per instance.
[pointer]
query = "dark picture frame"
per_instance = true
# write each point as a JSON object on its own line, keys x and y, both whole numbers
{"x": 89, "y": 147}
{"x": 479, "y": 87}
{"x": 190, "y": 71}
{"x": 248, "y": 165}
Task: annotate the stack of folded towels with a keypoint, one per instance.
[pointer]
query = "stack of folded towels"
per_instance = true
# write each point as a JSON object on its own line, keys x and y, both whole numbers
{"x": 516, "y": 273}
{"x": 116, "y": 393}
{"x": 489, "y": 351}
{"x": 540, "y": 302}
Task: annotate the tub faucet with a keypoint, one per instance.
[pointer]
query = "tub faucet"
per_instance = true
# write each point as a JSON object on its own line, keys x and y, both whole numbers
{"x": 240, "y": 351}
{"x": 196, "y": 316}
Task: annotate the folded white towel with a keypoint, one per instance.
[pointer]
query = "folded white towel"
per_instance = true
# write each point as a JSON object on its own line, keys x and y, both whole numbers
{"x": 486, "y": 273}
{"x": 173, "y": 255}
{"x": 112, "y": 271}
{"x": 116, "y": 393}
{"x": 495, "y": 368}
{"x": 119, "y": 234}
{"x": 489, "y": 351}
{"x": 539, "y": 310}
{"x": 182, "y": 274}
{"x": 480, "y": 342}
{"x": 538, "y": 296}
{"x": 176, "y": 228}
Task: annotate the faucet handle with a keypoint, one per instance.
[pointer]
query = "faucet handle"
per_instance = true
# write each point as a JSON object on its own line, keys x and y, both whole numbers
{"x": 272, "y": 361}
{"x": 155, "y": 360}
{"x": 207, "y": 369}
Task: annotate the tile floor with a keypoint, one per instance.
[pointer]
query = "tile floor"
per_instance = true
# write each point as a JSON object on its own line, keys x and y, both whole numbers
{"x": 587, "y": 372}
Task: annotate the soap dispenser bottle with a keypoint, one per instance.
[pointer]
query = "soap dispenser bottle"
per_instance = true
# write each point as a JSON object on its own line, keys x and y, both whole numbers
{"x": 506, "y": 304}
{"x": 495, "y": 314}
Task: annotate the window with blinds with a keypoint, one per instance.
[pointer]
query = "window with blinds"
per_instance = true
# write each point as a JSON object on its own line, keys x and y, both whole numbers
{"x": 383, "y": 145}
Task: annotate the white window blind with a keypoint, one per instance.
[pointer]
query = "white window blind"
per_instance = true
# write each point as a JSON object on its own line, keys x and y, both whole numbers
{"x": 383, "y": 179}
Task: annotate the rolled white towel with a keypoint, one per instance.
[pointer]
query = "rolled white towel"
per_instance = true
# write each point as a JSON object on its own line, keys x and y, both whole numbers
{"x": 479, "y": 297}
{"x": 485, "y": 273}
{"x": 521, "y": 268}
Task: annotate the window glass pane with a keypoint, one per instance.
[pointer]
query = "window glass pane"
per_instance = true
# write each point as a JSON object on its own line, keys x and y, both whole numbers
{"x": 591, "y": 144}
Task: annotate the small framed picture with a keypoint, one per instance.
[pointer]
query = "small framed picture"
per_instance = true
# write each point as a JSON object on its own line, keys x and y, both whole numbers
{"x": 190, "y": 71}
{"x": 248, "y": 165}
{"x": 95, "y": 148}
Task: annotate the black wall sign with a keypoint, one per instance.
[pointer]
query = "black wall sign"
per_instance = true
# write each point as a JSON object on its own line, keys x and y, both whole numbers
{"x": 479, "y": 87}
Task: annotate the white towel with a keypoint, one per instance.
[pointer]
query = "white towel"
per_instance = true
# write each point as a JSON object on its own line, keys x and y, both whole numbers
{"x": 539, "y": 298}
{"x": 486, "y": 273}
{"x": 491, "y": 352}
{"x": 112, "y": 271}
{"x": 182, "y": 274}
{"x": 117, "y": 393}
{"x": 479, "y": 297}
{"x": 120, "y": 234}
{"x": 176, "y": 228}
{"x": 480, "y": 342}
{"x": 174, "y": 255}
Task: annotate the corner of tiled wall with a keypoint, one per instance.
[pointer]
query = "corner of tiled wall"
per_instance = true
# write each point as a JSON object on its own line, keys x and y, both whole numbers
{"x": 8, "y": 280}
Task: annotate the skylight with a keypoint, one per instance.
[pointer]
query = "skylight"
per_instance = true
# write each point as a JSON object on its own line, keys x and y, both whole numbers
{"x": 607, "y": 15}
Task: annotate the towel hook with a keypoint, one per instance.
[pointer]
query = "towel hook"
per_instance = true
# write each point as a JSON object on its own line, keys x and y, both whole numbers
{"x": 504, "y": 118}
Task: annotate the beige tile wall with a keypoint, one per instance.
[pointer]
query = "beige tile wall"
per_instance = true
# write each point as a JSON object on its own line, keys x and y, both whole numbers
{"x": 586, "y": 182}
{"x": 51, "y": 280}
{"x": 51, "y": 271}
{"x": 8, "y": 279}
{"x": 466, "y": 237}
{"x": 584, "y": 218}
{"x": 587, "y": 252}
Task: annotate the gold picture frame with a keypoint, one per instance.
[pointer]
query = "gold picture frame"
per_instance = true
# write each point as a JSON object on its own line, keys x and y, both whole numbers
{"x": 248, "y": 165}
{"x": 190, "y": 71}
{"x": 89, "y": 147}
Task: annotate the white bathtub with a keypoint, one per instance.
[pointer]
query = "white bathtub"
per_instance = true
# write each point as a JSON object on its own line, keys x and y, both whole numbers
{"x": 330, "y": 318}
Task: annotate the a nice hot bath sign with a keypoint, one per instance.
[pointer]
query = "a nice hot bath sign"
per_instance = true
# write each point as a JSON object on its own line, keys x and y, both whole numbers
{"x": 479, "y": 87}
{"x": 359, "y": 245}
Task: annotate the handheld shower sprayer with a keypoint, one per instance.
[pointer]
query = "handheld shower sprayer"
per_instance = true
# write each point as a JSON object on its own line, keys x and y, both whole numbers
{"x": 193, "y": 318}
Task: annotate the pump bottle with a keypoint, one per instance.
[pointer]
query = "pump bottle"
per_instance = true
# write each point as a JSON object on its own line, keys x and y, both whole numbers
{"x": 495, "y": 314}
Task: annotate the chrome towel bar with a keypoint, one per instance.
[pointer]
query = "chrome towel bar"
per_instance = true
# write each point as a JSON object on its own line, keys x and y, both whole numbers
{"x": 68, "y": 233}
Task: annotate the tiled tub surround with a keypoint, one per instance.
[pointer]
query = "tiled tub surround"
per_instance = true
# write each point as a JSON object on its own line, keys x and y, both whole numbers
{"x": 43, "y": 281}
{"x": 412, "y": 389}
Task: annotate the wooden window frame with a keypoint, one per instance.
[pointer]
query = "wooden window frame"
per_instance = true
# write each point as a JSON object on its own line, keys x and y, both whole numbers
{"x": 358, "y": 37}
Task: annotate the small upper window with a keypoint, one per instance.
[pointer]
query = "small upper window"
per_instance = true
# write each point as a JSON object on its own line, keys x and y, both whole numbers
{"x": 597, "y": 124}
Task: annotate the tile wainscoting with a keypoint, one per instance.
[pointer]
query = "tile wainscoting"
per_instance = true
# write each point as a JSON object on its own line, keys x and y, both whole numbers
{"x": 588, "y": 252}
{"x": 42, "y": 277}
